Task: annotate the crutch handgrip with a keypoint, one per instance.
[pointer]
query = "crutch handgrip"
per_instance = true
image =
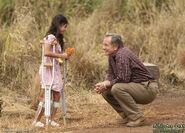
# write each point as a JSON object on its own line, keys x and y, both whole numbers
{"x": 48, "y": 64}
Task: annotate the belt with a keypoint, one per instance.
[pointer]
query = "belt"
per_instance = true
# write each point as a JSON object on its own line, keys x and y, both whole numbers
{"x": 147, "y": 83}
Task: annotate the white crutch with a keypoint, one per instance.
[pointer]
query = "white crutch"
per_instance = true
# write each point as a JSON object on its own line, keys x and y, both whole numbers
{"x": 63, "y": 93}
{"x": 48, "y": 86}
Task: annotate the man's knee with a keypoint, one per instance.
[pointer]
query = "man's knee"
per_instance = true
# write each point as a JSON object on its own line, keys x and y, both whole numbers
{"x": 117, "y": 88}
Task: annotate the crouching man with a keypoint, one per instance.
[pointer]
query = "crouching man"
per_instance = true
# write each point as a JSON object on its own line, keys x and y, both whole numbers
{"x": 128, "y": 82}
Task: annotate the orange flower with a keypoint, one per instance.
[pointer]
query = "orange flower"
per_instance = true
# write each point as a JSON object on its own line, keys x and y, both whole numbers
{"x": 70, "y": 51}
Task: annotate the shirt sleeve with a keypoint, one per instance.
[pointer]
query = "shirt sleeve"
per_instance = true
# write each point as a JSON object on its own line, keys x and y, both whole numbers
{"x": 123, "y": 70}
{"x": 110, "y": 74}
{"x": 49, "y": 39}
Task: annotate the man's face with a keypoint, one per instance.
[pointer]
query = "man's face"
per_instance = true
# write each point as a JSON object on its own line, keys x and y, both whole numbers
{"x": 108, "y": 48}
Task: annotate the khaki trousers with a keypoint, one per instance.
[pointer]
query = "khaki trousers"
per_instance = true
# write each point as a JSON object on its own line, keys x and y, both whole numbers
{"x": 125, "y": 97}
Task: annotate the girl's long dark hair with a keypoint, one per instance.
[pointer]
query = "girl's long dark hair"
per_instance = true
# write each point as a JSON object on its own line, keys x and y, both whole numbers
{"x": 57, "y": 21}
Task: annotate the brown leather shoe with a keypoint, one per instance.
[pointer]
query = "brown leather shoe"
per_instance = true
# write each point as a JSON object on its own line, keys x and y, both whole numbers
{"x": 139, "y": 122}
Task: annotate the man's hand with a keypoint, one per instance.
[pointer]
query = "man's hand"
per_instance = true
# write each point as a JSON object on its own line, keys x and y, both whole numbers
{"x": 102, "y": 86}
{"x": 99, "y": 87}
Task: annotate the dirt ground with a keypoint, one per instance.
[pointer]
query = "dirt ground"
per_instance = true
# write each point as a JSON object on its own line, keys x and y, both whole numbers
{"x": 166, "y": 109}
{"x": 89, "y": 113}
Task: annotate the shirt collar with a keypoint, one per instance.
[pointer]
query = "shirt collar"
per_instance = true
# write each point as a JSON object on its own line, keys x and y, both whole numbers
{"x": 114, "y": 54}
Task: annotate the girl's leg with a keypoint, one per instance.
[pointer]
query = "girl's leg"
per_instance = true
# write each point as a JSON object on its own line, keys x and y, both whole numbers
{"x": 39, "y": 112}
{"x": 40, "y": 109}
{"x": 56, "y": 104}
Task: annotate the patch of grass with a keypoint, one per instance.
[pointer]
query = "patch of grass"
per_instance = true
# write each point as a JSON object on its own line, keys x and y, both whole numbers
{"x": 152, "y": 29}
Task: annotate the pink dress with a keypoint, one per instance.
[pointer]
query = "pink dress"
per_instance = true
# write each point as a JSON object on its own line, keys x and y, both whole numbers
{"x": 46, "y": 78}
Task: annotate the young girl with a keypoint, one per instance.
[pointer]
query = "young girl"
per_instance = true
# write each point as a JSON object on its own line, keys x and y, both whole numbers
{"x": 54, "y": 36}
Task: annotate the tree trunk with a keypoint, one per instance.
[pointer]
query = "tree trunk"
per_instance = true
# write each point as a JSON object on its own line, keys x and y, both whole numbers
{"x": 153, "y": 69}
